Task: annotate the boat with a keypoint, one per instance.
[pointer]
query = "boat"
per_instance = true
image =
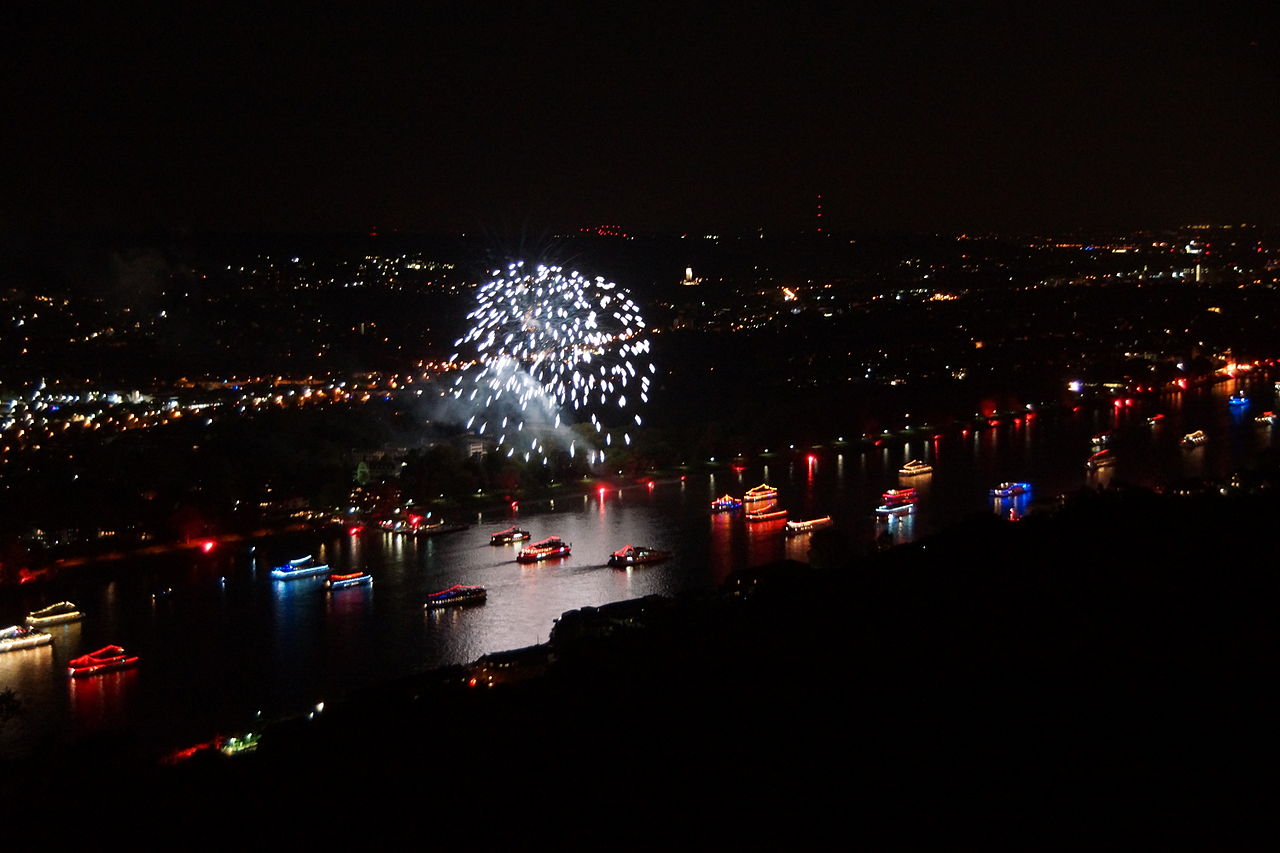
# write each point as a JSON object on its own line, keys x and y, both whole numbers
{"x": 54, "y": 614}
{"x": 438, "y": 528}
{"x": 299, "y": 568}
{"x": 511, "y": 534}
{"x": 1101, "y": 439}
{"x": 1009, "y": 490}
{"x": 1155, "y": 419}
{"x": 635, "y": 555}
{"x": 726, "y": 503}
{"x": 896, "y": 497}
{"x": 762, "y": 492}
{"x": 766, "y": 515}
{"x": 895, "y": 509}
{"x": 793, "y": 528}
{"x": 456, "y": 594}
{"x": 1101, "y": 459}
{"x": 17, "y": 637}
{"x": 1265, "y": 418}
{"x": 1194, "y": 438}
{"x": 914, "y": 467}
{"x": 104, "y": 659}
{"x": 546, "y": 549}
{"x": 1238, "y": 400}
{"x": 342, "y": 580}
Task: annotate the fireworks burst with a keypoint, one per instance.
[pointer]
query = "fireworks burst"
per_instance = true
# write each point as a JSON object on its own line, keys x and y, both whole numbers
{"x": 551, "y": 346}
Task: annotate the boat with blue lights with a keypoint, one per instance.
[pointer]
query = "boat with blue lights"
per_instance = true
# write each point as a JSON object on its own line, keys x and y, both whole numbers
{"x": 635, "y": 555}
{"x": 54, "y": 614}
{"x": 726, "y": 503}
{"x": 1010, "y": 490}
{"x": 510, "y": 535}
{"x": 457, "y": 594}
{"x": 18, "y": 637}
{"x": 546, "y": 549}
{"x": 1238, "y": 400}
{"x": 342, "y": 580}
{"x": 105, "y": 659}
{"x": 302, "y": 567}
{"x": 795, "y": 528}
{"x": 896, "y": 509}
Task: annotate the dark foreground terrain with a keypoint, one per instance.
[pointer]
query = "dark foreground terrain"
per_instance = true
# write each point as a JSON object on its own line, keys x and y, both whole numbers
{"x": 1101, "y": 677}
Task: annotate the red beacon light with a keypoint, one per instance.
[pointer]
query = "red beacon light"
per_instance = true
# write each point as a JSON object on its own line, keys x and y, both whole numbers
{"x": 207, "y": 545}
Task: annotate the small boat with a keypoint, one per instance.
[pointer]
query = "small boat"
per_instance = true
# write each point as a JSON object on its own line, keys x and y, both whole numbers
{"x": 1101, "y": 459}
{"x": 1101, "y": 439}
{"x": 104, "y": 659}
{"x": 766, "y": 515}
{"x": 438, "y": 528}
{"x": 546, "y": 549}
{"x": 237, "y": 744}
{"x": 634, "y": 555}
{"x": 1266, "y": 418}
{"x": 342, "y": 580}
{"x": 17, "y": 637}
{"x": 762, "y": 492}
{"x": 896, "y": 497}
{"x": 1194, "y": 438}
{"x": 1238, "y": 400}
{"x": 1009, "y": 490}
{"x": 794, "y": 528}
{"x": 895, "y": 509}
{"x": 299, "y": 568}
{"x": 511, "y": 534}
{"x": 1155, "y": 419}
{"x": 726, "y": 503}
{"x": 456, "y": 594}
{"x": 914, "y": 467}
{"x": 54, "y": 614}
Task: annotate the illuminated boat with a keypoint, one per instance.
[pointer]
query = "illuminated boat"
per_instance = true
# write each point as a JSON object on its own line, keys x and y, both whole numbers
{"x": 634, "y": 555}
{"x": 438, "y": 528}
{"x": 18, "y": 637}
{"x": 1266, "y": 418}
{"x": 794, "y": 528}
{"x": 105, "y": 659}
{"x": 1009, "y": 490}
{"x": 511, "y": 534}
{"x": 552, "y": 546}
{"x": 762, "y": 492}
{"x": 1101, "y": 459}
{"x": 299, "y": 568}
{"x": 1155, "y": 419}
{"x": 766, "y": 515}
{"x": 1238, "y": 400}
{"x": 896, "y": 497}
{"x": 895, "y": 509}
{"x": 456, "y": 594}
{"x": 1101, "y": 439}
{"x": 914, "y": 467}
{"x": 342, "y": 580}
{"x": 726, "y": 503}
{"x": 237, "y": 744}
{"x": 54, "y": 614}
{"x": 1194, "y": 438}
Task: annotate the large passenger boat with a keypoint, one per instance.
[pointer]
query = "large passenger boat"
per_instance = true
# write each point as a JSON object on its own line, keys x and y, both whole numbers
{"x": 17, "y": 637}
{"x": 105, "y": 659}
{"x": 635, "y": 555}
{"x": 726, "y": 503}
{"x": 794, "y": 528}
{"x": 546, "y": 549}
{"x": 456, "y": 594}
{"x": 342, "y": 580}
{"x": 759, "y": 494}
{"x": 510, "y": 535}
{"x": 300, "y": 568}
{"x": 54, "y": 614}
{"x": 914, "y": 467}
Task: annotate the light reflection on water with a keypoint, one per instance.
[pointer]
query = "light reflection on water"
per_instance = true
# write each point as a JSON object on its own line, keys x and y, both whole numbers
{"x": 230, "y": 642}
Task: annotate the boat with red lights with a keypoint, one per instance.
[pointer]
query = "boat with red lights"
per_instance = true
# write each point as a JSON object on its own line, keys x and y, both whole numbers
{"x": 794, "y": 528}
{"x": 767, "y": 515}
{"x": 546, "y": 549}
{"x": 105, "y": 659}
{"x": 1265, "y": 418}
{"x": 726, "y": 503}
{"x": 1010, "y": 490}
{"x": 897, "y": 497}
{"x": 456, "y": 595}
{"x": 17, "y": 637}
{"x": 342, "y": 580}
{"x": 302, "y": 567}
{"x": 54, "y": 614}
{"x": 635, "y": 555}
{"x": 1101, "y": 459}
{"x": 510, "y": 535}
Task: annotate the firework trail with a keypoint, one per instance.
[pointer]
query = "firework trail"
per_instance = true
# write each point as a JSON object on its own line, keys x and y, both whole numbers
{"x": 552, "y": 348}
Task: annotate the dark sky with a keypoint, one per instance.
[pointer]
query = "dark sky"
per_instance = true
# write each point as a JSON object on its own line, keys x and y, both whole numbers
{"x": 331, "y": 116}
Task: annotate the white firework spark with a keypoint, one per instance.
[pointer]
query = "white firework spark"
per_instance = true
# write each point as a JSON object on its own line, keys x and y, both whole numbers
{"x": 549, "y": 347}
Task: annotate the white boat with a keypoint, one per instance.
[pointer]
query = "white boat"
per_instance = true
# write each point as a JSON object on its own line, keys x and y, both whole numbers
{"x": 792, "y": 528}
{"x": 54, "y": 614}
{"x": 914, "y": 467}
{"x": 1194, "y": 438}
{"x": 300, "y": 568}
{"x": 895, "y": 509}
{"x": 17, "y": 637}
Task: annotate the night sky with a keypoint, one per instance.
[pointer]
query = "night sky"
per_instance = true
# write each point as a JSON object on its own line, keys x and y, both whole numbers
{"x": 342, "y": 117}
